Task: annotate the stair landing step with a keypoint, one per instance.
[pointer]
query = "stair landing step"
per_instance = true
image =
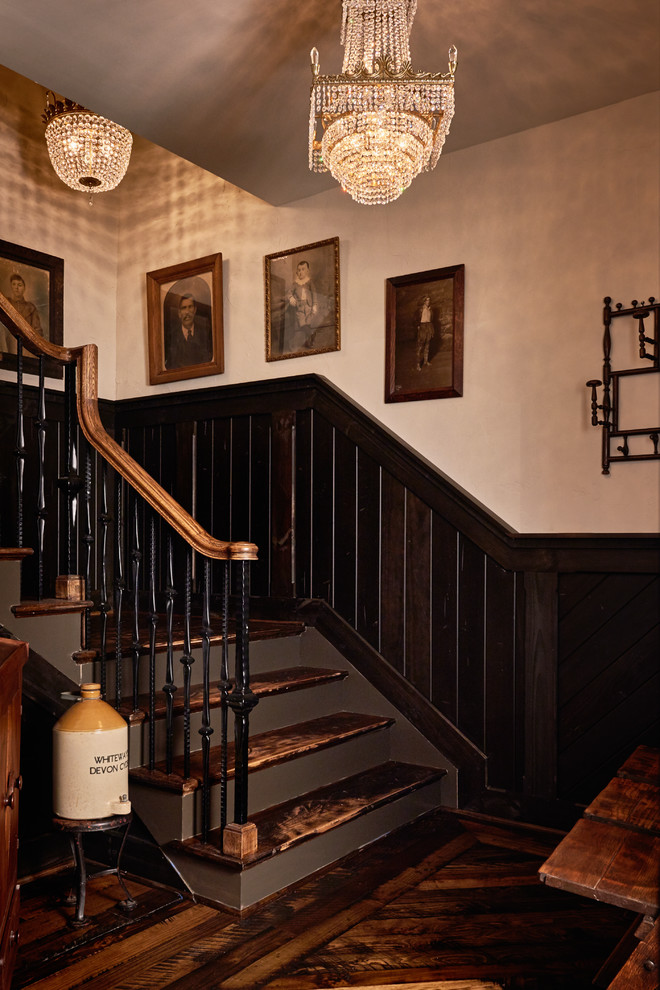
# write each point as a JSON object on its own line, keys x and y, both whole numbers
{"x": 266, "y": 749}
{"x": 49, "y": 606}
{"x": 260, "y": 629}
{"x": 287, "y": 824}
{"x": 263, "y": 685}
{"x": 15, "y": 553}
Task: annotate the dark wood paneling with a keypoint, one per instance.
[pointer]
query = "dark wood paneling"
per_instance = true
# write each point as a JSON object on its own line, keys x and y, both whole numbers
{"x": 471, "y": 613}
{"x": 418, "y": 594}
{"x": 303, "y": 504}
{"x": 260, "y": 502}
{"x": 392, "y": 565}
{"x": 608, "y": 680}
{"x": 368, "y": 544}
{"x": 540, "y": 718}
{"x": 500, "y": 694}
{"x": 240, "y": 477}
{"x": 345, "y": 528}
{"x": 444, "y": 630}
{"x": 322, "y": 507}
{"x": 282, "y": 502}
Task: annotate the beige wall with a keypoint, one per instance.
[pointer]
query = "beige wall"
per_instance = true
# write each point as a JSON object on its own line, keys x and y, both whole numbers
{"x": 547, "y": 222}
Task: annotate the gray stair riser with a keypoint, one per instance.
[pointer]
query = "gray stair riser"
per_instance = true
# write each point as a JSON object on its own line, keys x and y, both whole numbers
{"x": 170, "y": 816}
{"x": 272, "y": 712}
{"x": 408, "y": 743}
{"x": 242, "y": 889}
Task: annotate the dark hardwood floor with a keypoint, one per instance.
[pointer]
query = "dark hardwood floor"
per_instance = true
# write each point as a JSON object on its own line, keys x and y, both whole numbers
{"x": 451, "y": 903}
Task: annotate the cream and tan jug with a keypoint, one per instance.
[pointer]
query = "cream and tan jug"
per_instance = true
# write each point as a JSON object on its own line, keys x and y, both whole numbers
{"x": 90, "y": 759}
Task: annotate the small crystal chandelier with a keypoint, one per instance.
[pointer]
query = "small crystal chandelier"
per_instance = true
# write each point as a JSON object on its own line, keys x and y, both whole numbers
{"x": 378, "y": 124}
{"x": 88, "y": 152}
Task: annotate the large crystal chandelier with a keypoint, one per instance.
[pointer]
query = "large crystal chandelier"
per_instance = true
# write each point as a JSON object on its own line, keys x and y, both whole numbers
{"x": 88, "y": 152}
{"x": 378, "y": 124}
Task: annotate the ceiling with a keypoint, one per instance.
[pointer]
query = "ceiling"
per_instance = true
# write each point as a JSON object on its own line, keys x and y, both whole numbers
{"x": 225, "y": 83}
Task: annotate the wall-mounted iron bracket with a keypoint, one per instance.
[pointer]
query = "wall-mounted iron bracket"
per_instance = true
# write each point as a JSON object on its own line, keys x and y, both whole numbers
{"x": 647, "y": 329}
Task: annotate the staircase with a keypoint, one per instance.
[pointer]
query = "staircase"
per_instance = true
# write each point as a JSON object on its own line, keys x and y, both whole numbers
{"x": 332, "y": 765}
{"x": 146, "y": 598}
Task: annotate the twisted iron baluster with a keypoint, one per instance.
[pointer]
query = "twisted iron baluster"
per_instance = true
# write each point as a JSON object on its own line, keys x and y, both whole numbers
{"x": 242, "y": 700}
{"x": 187, "y": 661}
{"x": 40, "y": 423}
{"x": 71, "y": 483}
{"x": 225, "y": 684}
{"x": 170, "y": 686}
{"x": 153, "y": 623}
{"x": 119, "y": 592}
{"x": 104, "y": 605}
{"x": 88, "y": 540}
{"x": 206, "y": 730}
{"x": 19, "y": 451}
{"x": 136, "y": 558}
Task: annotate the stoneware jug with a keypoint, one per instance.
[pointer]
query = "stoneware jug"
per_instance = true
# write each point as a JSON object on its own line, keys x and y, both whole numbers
{"x": 90, "y": 759}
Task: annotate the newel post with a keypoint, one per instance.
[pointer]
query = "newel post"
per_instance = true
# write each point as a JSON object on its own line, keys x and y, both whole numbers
{"x": 240, "y": 836}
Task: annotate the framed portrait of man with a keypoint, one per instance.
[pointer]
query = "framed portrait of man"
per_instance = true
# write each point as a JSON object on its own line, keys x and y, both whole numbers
{"x": 33, "y": 282}
{"x": 302, "y": 300}
{"x": 424, "y": 335}
{"x": 184, "y": 316}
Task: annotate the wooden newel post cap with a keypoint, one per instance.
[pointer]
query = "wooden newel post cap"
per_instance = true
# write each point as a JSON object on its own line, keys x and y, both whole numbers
{"x": 243, "y": 551}
{"x": 239, "y": 841}
{"x": 70, "y": 587}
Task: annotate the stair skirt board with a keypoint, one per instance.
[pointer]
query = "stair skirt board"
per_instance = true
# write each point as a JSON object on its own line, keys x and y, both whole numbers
{"x": 240, "y": 889}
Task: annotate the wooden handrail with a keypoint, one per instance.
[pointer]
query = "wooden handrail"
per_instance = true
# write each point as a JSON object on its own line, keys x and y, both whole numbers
{"x": 86, "y": 359}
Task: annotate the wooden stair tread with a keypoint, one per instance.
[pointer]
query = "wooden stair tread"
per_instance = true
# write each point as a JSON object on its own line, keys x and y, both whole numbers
{"x": 266, "y": 749}
{"x": 15, "y": 553}
{"x": 260, "y": 629}
{"x": 49, "y": 606}
{"x": 263, "y": 685}
{"x": 287, "y": 824}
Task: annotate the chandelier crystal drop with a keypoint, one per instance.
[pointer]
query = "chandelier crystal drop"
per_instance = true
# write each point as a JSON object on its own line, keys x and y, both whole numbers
{"x": 378, "y": 124}
{"x": 88, "y": 152}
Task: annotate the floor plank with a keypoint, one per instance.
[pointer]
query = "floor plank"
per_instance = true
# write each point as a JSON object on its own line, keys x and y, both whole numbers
{"x": 433, "y": 907}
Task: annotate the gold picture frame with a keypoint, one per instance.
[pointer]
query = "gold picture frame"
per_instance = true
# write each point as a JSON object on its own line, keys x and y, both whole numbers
{"x": 184, "y": 318}
{"x": 302, "y": 300}
{"x": 424, "y": 335}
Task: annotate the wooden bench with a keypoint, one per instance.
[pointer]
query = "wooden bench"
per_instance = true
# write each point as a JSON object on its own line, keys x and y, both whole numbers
{"x": 613, "y": 854}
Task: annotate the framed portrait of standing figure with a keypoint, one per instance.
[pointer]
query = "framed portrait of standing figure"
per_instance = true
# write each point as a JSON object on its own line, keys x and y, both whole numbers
{"x": 33, "y": 283}
{"x": 424, "y": 335}
{"x": 184, "y": 315}
{"x": 302, "y": 300}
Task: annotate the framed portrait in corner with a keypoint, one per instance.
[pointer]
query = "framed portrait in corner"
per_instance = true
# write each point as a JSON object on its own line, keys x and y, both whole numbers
{"x": 184, "y": 320}
{"x": 424, "y": 335}
{"x": 302, "y": 300}
{"x": 33, "y": 282}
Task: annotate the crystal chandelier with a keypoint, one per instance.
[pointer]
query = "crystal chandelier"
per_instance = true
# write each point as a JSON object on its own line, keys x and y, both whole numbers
{"x": 378, "y": 124}
{"x": 88, "y": 152}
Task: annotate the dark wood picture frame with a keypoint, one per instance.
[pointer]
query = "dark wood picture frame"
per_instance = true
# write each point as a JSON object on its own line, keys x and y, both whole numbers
{"x": 178, "y": 298}
{"x": 424, "y": 358}
{"x": 41, "y": 302}
{"x": 302, "y": 300}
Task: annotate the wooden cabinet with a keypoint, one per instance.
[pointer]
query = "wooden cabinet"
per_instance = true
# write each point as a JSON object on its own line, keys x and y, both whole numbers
{"x": 12, "y": 657}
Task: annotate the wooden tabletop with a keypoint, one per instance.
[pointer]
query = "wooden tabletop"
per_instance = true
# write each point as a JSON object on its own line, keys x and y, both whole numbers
{"x": 613, "y": 853}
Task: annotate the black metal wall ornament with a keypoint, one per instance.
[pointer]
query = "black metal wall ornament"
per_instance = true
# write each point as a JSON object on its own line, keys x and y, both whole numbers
{"x": 647, "y": 328}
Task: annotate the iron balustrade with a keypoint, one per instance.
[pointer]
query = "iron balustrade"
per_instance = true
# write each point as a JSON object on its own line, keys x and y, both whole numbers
{"x": 129, "y": 533}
